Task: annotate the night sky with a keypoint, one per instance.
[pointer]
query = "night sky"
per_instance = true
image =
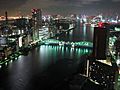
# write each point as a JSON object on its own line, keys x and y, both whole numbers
{"x": 63, "y": 7}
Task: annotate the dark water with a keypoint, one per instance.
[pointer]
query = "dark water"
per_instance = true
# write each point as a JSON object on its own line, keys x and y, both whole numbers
{"x": 46, "y": 67}
{"x": 81, "y": 33}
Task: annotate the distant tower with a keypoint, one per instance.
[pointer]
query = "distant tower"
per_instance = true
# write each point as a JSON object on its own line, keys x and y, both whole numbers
{"x": 117, "y": 18}
{"x": 6, "y": 17}
{"x": 37, "y": 21}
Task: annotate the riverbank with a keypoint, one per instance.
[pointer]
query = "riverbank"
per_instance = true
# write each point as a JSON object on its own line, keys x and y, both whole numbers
{"x": 25, "y": 50}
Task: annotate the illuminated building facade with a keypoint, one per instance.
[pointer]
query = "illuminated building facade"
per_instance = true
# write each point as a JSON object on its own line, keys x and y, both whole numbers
{"x": 37, "y": 22}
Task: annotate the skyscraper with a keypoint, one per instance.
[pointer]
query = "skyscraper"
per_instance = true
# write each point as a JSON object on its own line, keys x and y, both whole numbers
{"x": 37, "y": 22}
{"x": 100, "y": 43}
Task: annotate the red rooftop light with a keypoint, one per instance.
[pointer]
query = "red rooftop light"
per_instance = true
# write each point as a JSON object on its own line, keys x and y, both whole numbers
{"x": 100, "y": 24}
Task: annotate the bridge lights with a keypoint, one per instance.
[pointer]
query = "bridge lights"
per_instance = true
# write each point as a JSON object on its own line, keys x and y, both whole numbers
{"x": 73, "y": 45}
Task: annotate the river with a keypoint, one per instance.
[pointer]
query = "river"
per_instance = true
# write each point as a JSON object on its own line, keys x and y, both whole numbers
{"x": 46, "y": 67}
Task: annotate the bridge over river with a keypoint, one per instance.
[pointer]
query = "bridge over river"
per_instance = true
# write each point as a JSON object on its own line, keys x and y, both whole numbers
{"x": 47, "y": 66}
{"x": 80, "y": 44}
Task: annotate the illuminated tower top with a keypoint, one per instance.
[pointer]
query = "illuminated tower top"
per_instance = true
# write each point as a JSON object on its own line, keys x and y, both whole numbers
{"x": 37, "y": 17}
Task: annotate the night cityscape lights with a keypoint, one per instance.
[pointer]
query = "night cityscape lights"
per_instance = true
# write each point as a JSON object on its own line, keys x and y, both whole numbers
{"x": 60, "y": 45}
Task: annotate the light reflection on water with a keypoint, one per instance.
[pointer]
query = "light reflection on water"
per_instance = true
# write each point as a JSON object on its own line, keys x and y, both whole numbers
{"x": 61, "y": 51}
{"x": 20, "y": 72}
{"x": 84, "y": 31}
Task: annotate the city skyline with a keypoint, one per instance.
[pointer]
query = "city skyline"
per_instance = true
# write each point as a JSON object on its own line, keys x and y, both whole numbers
{"x": 63, "y": 7}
